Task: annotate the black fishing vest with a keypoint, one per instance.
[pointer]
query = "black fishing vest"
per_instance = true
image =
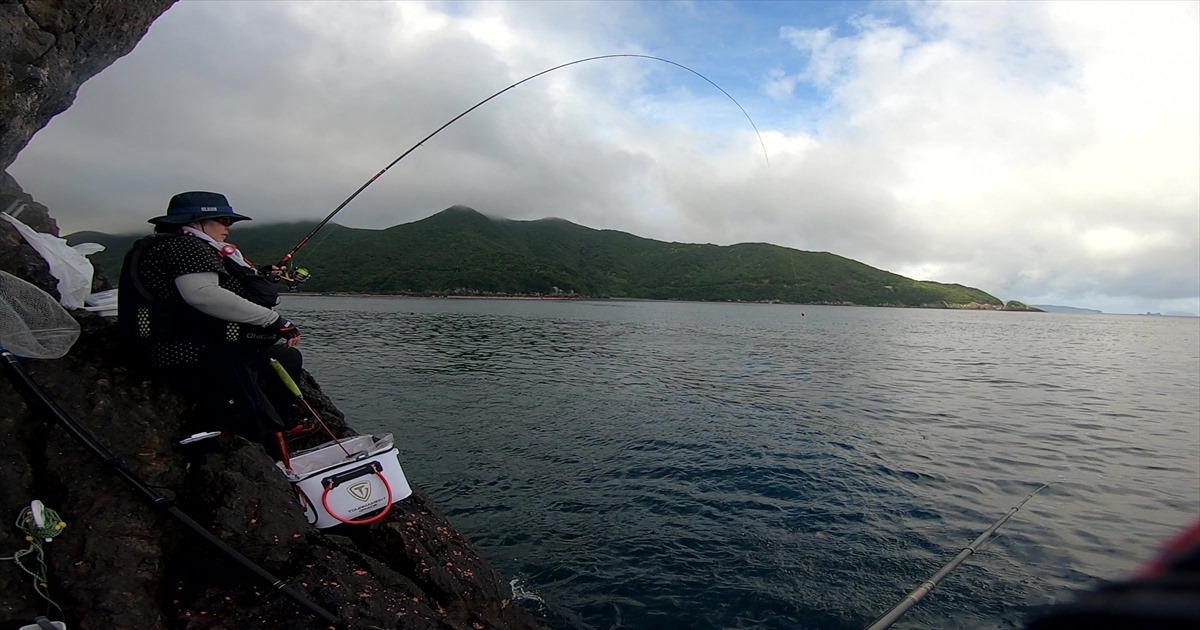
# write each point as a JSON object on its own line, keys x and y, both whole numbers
{"x": 144, "y": 319}
{"x": 259, "y": 289}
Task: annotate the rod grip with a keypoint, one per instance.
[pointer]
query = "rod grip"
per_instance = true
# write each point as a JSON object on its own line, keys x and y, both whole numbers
{"x": 286, "y": 378}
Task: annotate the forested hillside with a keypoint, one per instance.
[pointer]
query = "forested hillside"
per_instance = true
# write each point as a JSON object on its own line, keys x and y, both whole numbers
{"x": 460, "y": 251}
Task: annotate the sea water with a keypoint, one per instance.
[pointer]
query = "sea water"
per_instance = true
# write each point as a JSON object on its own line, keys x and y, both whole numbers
{"x": 691, "y": 465}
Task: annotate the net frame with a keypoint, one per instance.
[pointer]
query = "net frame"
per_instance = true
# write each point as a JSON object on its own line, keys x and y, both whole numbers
{"x": 32, "y": 322}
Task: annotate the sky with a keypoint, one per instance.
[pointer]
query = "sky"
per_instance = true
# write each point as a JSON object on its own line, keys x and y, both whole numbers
{"x": 1042, "y": 152}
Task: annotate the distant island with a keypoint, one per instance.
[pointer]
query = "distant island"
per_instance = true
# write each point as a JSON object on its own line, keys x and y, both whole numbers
{"x": 1169, "y": 314}
{"x": 461, "y": 252}
{"x": 1050, "y": 308}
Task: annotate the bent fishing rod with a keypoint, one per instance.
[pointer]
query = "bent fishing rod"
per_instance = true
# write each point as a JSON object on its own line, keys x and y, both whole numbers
{"x": 892, "y": 616}
{"x": 287, "y": 259}
{"x": 38, "y": 396}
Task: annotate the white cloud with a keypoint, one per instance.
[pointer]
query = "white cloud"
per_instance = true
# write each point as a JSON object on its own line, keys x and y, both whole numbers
{"x": 1029, "y": 149}
{"x": 1029, "y": 144}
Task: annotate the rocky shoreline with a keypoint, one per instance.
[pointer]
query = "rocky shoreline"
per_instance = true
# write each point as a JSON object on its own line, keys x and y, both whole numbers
{"x": 120, "y": 563}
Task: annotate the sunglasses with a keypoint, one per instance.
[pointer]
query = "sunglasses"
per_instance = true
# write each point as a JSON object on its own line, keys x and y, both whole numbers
{"x": 226, "y": 221}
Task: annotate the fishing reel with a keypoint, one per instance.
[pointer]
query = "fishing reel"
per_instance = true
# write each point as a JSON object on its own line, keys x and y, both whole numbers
{"x": 288, "y": 272}
{"x": 290, "y": 275}
{"x": 294, "y": 277}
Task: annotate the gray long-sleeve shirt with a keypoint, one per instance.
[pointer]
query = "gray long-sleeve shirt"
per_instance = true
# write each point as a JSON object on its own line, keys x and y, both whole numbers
{"x": 201, "y": 291}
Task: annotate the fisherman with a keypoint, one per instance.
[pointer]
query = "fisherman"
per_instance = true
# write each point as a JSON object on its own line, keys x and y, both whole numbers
{"x": 202, "y": 316}
{"x": 1164, "y": 595}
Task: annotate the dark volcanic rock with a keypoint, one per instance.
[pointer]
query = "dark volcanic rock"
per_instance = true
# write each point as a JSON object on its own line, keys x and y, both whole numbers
{"x": 48, "y": 48}
{"x": 16, "y": 256}
{"x": 122, "y": 563}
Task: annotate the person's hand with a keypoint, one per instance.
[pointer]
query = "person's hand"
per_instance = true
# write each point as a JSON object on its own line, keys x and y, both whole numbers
{"x": 271, "y": 271}
{"x": 287, "y": 330}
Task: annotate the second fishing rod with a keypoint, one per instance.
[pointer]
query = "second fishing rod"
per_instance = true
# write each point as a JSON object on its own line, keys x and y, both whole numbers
{"x": 887, "y": 619}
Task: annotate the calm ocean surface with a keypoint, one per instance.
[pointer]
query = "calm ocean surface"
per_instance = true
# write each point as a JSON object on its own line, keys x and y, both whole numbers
{"x": 684, "y": 465}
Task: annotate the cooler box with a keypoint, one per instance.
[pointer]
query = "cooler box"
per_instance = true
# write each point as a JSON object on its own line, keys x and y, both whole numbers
{"x": 337, "y": 489}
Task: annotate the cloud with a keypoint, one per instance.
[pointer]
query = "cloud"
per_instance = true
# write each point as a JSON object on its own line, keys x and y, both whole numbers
{"x": 1041, "y": 149}
{"x": 1030, "y": 148}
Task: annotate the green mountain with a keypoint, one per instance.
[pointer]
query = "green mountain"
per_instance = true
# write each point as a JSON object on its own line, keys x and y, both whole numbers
{"x": 460, "y": 251}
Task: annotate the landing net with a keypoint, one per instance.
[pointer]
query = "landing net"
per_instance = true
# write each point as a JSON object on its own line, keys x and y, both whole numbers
{"x": 32, "y": 322}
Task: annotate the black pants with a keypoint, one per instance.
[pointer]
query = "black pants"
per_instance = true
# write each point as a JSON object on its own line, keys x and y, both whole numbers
{"x": 225, "y": 383}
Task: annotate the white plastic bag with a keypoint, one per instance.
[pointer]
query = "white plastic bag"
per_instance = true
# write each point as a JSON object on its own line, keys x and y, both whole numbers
{"x": 69, "y": 264}
{"x": 104, "y": 302}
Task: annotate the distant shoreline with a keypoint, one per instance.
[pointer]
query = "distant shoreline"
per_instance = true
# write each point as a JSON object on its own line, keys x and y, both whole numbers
{"x": 442, "y": 297}
{"x": 581, "y": 298}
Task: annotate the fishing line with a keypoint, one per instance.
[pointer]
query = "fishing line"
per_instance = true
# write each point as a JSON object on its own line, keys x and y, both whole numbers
{"x": 287, "y": 258}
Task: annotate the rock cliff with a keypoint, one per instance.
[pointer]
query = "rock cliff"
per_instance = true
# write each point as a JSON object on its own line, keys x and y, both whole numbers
{"x": 121, "y": 563}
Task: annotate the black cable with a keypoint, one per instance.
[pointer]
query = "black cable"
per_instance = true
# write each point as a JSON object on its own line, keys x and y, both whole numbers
{"x": 41, "y": 400}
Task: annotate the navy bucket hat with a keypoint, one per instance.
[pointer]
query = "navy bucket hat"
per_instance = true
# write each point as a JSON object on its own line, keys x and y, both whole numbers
{"x": 190, "y": 207}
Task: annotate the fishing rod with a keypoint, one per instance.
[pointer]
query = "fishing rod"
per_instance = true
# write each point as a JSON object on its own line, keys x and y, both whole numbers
{"x": 892, "y": 616}
{"x": 35, "y": 394}
{"x": 287, "y": 258}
